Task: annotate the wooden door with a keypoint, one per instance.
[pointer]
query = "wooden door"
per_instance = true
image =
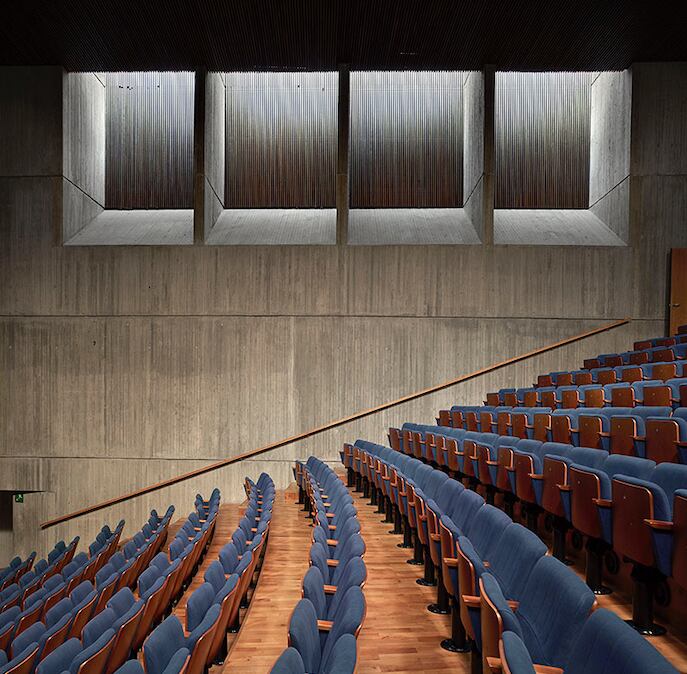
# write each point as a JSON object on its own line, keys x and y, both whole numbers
{"x": 678, "y": 288}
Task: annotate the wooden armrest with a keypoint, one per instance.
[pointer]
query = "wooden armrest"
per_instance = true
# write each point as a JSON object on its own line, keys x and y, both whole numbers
{"x": 332, "y": 527}
{"x": 641, "y": 438}
{"x": 603, "y": 502}
{"x": 325, "y": 625}
{"x": 422, "y": 518}
{"x": 332, "y": 541}
{"x": 254, "y": 531}
{"x": 451, "y": 562}
{"x": 604, "y": 434}
{"x": 546, "y": 669}
{"x": 514, "y": 605}
{"x": 402, "y": 493}
{"x": 332, "y": 562}
{"x": 331, "y": 514}
{"x": 565, "y": 487}
{"x": 494, "y": 664}
{"x": 659, "y": 525}
{"x": 510, "y": 469}
{"x": 536, "y": 476}
{"x": 329, "y": 589}
{"x": 492, "y": 463}
{"x": 471, "y": 601}
{"x": 196, "y": 528}
{"x": 485, "y": 563}
{"x": 435, "y": 537}
{"x": 327, "y": 505}
{"x": 384, "y": 477}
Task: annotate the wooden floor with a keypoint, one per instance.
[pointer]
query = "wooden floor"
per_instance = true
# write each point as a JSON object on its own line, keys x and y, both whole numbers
{"x": 263, "y": 635}
{"x": 395, "y": 602}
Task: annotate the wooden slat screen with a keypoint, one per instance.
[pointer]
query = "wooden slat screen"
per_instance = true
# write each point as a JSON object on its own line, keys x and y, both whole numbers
{"x": 149, "y": 140}
{"x": 542, "y": 132}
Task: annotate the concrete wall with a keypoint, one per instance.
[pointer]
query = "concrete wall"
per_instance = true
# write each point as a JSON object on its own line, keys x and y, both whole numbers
{"x": 123, "y": 366}
{"x": 610, "y": 147}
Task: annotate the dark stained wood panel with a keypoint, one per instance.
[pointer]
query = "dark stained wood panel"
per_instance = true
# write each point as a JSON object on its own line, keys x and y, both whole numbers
{"x": 406, "y": 140}
{"x": 149, "y": 140}
{"x": 542, "y": 132}
{"x": 281, "y": 140}
{"x": 315, "y": 35}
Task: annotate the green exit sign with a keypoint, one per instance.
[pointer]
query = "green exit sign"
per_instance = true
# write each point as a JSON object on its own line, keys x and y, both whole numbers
{"x": 19, "y": 498}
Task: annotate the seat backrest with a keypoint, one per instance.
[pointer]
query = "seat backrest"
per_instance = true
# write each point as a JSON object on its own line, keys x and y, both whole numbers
{"x": 59, "y": 660}
{"x": 214, "y": 575}
{"x": 96, "y": 626}
{"x": 165, "y": 640}
{"x": 342, "y": 657}
{"x": 304, "y": 636}
{"x": 607, "y": 645}
{"x": 464, "y": 509}
{"x": 229, "y": 557}
{"x": 588, "y": 456}
{"x": 289, "y": 662}
{"x": 628, "y": 465}
{"x": 515, "y": 556}
{"x": 349, "y": 618}
{"x": 488, "y": 525}
{"x": 554, "y": 606}
{"x": 198, "y": 604}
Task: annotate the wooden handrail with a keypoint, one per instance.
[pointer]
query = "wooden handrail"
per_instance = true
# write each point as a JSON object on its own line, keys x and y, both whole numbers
{"x": 328, "y": 426}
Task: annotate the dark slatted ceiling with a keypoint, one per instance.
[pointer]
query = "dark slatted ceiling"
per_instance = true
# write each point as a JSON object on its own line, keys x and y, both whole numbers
{"x": 316, "y": 34}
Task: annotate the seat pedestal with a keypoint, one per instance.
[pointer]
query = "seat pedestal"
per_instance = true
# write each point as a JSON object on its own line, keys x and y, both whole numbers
{"x": 441, "y": 607}
{"x": 560, "y": 531}
{"x": 418, "y": 553}
{"x": 429, "y": 578}
{"x": 397, "y": 521}
{"x": 457, "y": 643}
{"x": 644, "y": 579}
{"x": 595, "y": 555}
{"x": 407, "y": 535}
{"x": 508, "y": 504}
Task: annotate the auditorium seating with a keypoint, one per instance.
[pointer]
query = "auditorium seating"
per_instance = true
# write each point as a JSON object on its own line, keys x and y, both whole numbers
{"x": 212, "y": 609}
{"x": 325, "y": 623}
{"x": 495, "y": 572}
{"x": 604, "y": 645}
{"x": 68, "y": 607}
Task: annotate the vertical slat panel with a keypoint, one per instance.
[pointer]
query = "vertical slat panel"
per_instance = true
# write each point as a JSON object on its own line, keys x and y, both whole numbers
{"x": 149, "y": 140}
{"x": 542, "y": 135}
{"x": 406, "y": 140}
{"x": 281, "y": 140}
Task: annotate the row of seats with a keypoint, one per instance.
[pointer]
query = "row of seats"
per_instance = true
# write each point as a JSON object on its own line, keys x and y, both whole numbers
{"x": 325, "y": 623}
{"x": 497, "y": 574}
{"x": 117, "y": 622}
{"x": 213, "y": 608}
{"x": 671, "y": 393}
{"x": 67, "y": 601}
{"x": 578, "y": 487}
{"x": 33, "y": 577}
{"x": 40, "y": 589}
{"x": 656, "y": 433}
{"x": 13, "y": 572}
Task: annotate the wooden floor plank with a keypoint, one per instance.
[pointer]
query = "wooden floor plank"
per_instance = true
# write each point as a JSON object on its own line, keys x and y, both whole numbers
{"x": 263, "y": 635}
